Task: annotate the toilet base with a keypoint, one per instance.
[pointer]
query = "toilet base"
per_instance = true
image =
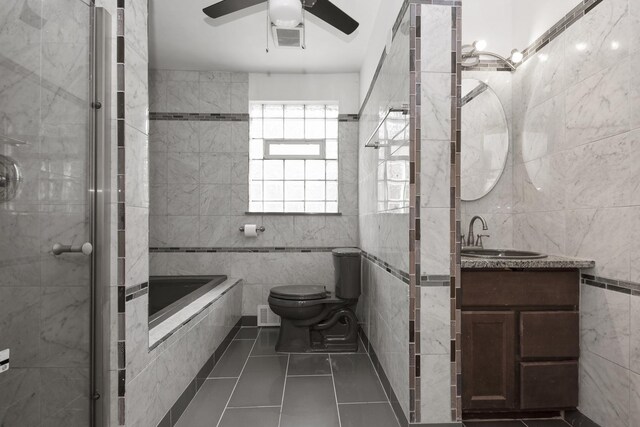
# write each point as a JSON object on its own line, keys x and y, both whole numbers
{"x": 339, "y": 336}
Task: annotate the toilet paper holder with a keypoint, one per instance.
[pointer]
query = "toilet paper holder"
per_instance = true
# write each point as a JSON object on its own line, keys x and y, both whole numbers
{"x": 261, "y": 229}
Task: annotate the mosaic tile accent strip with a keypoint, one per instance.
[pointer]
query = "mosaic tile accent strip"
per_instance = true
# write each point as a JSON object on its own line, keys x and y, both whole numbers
{"x": 136, "y": 291}
{"x": 399, "y": 274}
{"x": 242, "y": 249}
{"x": 629, "y": 288}
{"x": 348, "y": 117}
{"x": 415, "y": 140}
{"x": 455, "y": 213}
{"x": 489, "y": 65}
{"x": 435, "y": 281}
{"x": 480, "y": 89}
{"x": 120, "y": 138}
{"x": 200, "y": 117}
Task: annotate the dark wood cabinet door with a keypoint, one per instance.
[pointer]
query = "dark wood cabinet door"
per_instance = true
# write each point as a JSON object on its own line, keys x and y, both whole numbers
{"x": 550, "y": 334}
{"x": 547, "y": 385}
{"x": 488, "y": 360}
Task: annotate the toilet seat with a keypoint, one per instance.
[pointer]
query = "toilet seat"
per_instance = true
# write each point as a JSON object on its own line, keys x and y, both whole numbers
{"x": 299, "y": 293}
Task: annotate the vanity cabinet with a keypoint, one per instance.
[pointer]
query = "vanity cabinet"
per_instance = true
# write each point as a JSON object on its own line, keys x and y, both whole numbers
{"x": 520, "y": 340}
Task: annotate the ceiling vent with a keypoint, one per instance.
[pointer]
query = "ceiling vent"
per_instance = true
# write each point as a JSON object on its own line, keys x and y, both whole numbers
{"x": 289, "y": 37}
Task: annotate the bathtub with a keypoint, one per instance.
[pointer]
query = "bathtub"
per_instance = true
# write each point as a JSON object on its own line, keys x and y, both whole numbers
{"x": 170, "y": 294}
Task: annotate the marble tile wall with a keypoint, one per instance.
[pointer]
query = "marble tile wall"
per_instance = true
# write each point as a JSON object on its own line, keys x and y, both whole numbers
{"x": 199, "y": 175}
{"x": 436, "y": 394}
{"x": 44, "y": 300}
{"x": 383, "y": 311}
{"x": 159, "y": 377}
{"x": 574, "y": 187}
{"x": 384, "y": 219}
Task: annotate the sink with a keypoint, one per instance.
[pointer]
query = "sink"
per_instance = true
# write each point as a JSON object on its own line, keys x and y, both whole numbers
{"x": 500, "y": 253}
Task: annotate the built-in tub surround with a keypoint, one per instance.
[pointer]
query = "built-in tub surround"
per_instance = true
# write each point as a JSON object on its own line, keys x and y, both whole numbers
{"x": 200, "y": 186}
{"x": 165, "y": 361}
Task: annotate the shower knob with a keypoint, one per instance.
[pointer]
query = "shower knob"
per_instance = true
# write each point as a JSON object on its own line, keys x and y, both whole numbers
{"x": 10, "y": 178}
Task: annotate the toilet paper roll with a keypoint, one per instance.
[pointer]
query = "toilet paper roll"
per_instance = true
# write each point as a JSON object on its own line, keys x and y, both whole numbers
{"x": 250, "y": 230}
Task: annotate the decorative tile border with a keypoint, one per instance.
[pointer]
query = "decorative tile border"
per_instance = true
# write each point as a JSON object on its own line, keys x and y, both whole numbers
{"x": 120, "y": 138}
{"x": 200, "y": 117}
{"x": 224, "y": 117}
{"x": 136, "y": 291}
{"x": 456, "y": 213}
{"x": 415, "y": 140}
{"x": 348, "y": 117}
{"x": 242, "y": 249}
{"x": 477, "y": 91}
{"x": 178, "y": 408}
{"x": 629, "y": 288}
{"x": 397, "y": 273}
{"x": 435, "y": 281}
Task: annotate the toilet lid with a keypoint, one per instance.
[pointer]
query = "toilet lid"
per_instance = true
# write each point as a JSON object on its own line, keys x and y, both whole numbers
{"x": 299, "y": 292}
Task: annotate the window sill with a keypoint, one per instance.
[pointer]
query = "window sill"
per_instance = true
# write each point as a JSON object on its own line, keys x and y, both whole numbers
{"x": 291, "y": 214}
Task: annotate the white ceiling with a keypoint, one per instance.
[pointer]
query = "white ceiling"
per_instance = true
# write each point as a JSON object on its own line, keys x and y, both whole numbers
{"x": 183, "y": 38}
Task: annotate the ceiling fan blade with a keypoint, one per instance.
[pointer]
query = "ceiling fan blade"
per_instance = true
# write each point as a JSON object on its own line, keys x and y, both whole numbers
{"x": 226, "y": 7}
{"x": 333, "y": 15}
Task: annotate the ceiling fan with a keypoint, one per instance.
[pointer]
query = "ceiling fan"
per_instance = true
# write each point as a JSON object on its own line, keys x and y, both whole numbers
{"x": 289, "y": 14}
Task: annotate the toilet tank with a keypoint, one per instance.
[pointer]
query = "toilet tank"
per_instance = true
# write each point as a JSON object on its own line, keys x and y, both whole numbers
{"x": 346, "y": 263}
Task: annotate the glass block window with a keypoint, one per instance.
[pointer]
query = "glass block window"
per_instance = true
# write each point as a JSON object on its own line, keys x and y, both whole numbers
{"x": 293, "y": 158}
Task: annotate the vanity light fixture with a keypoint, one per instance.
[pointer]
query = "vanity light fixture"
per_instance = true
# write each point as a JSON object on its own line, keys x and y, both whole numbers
{"x": 471, "y": 54}
{"x": 516, "y": 56}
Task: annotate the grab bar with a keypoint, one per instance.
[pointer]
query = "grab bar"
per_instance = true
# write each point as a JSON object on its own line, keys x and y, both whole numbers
{"x": 404, "y": 110}
{"x": 59, "y": 249}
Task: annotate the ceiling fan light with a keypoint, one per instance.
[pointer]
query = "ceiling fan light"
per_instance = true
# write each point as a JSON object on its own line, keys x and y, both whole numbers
{"x": 285, "y": 13}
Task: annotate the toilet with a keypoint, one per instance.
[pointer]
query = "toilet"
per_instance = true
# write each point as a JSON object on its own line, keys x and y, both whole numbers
{"x": 316, "y": 320}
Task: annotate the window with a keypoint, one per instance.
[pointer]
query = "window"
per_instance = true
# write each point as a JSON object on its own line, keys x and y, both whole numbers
{"x": 294, "y": 158}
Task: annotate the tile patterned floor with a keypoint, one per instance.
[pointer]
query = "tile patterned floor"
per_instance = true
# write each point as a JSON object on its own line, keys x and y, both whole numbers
{"x": 521, "y": 423}
{"x": 252, "y": 385}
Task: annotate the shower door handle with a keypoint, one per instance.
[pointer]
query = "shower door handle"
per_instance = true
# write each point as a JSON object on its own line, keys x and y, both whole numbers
{"x": 59, "y": 249}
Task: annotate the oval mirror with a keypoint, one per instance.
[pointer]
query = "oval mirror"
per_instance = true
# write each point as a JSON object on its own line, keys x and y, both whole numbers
{"x": 485, "y": 139}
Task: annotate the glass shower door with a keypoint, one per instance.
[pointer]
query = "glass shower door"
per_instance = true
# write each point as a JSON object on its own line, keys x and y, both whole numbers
{"x": 45, "y": 298}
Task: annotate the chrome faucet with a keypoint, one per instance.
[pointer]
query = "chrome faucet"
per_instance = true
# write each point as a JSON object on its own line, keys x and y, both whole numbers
{"x": 470, "y": 237}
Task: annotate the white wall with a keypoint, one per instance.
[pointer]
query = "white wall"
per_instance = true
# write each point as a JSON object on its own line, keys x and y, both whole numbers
{"x": 532, "y": 18}
{"x": 343, "y": 88}
{"x": 488, "y": 20}
{"x": 389, "y": 10}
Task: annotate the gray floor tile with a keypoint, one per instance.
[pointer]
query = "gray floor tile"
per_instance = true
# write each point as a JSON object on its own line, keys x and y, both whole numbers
{"x": 356, "y": 380}
{"x": 493, "y": 424}
{"x": 261, "y": 382}
{"x": 206, "y": 408}
{"x": 232, "y": 361}
{"x": 309, "y": 364}
{"x": 367, "y": 415}
{"x": 247, "y": 334}
{"x": 309, "y": 402}
{"x": 250, "y": 417}
{"x": 545, "y": 423}
{"x": 266, "y": 342}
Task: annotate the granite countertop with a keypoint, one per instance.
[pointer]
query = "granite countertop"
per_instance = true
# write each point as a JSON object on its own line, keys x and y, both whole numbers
{"x": 550, "y": 262}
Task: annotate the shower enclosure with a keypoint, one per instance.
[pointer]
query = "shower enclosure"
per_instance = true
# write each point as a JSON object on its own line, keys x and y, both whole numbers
{"x": 49, "y": 198}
